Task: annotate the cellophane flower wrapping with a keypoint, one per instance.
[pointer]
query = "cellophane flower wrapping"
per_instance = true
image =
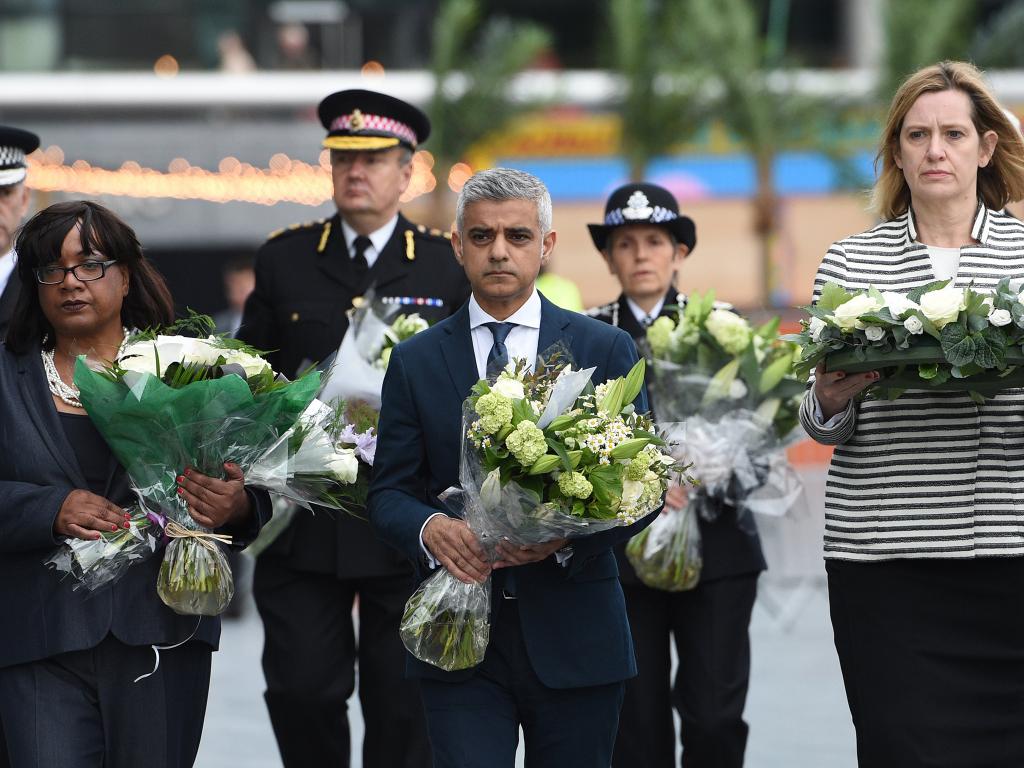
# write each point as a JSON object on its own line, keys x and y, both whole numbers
{"x": 96, "y": 562}
{"x": 324, "y": 460}
{"x": 357, "y": 372}
{"x": 732, "y": 388}
{"x": 170, "y": 403}
{"x": 317, "y": 461}
{"x": 544, "y": 457}
{"x": 667, "y": 554}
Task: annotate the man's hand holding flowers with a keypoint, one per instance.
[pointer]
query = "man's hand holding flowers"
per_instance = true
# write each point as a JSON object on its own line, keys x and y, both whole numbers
{"x": 457, "y": 548}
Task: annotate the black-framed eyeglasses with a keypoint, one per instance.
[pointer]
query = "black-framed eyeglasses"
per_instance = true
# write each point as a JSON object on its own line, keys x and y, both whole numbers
{"x": 86, "y": 271}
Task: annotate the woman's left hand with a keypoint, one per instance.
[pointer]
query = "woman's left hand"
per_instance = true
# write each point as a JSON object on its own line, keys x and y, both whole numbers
{"x": 215, "y": 503}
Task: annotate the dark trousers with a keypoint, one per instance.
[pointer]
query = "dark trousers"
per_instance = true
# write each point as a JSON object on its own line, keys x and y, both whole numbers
{"x": 309, "y": 658}
{"x": 83, "y": 710}
{"x": 932, "y": 653}
{"x": 475, "y": 723}
{"x": 709, "y": 625}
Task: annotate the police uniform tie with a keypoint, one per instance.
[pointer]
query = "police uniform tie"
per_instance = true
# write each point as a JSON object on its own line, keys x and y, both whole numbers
{"x": 497, "y": 358}
{"x": 359, "y": 263}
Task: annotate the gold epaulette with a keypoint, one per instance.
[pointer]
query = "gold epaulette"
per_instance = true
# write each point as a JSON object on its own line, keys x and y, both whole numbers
{"x": 295, "y": 228}
{"x": 432, "y": 232}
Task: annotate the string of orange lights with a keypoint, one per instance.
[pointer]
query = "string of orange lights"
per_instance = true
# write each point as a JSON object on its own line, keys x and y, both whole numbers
{"x": 285, "y": 180}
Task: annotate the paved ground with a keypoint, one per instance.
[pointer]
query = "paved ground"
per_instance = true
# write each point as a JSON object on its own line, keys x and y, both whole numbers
{"x": 796, "y": 708}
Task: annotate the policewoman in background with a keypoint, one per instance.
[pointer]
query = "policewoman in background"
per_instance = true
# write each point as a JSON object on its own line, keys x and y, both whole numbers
{"x": 644, "y": 241}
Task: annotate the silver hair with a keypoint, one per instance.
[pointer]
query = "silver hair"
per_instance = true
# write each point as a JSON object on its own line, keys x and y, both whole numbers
{"x": 499, "y": 184}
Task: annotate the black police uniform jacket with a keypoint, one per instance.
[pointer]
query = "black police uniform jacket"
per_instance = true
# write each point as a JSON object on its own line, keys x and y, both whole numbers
{"x": 728, "y": 550}
{"x": 304, "y": 287}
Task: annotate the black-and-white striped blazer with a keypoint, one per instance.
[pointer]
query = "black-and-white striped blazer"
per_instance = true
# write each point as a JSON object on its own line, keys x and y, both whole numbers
{"x": 931, "y": 474}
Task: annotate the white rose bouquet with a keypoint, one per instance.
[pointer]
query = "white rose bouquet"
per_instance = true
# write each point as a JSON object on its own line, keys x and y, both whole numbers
{"x": 357, "y": 370}
{"x": 732, "y": 388}
{"x": 709, "y": 356}
{"x": 172, "y": 402}
{"x": 936, "y": 336}
{"x": 545, "y": 457}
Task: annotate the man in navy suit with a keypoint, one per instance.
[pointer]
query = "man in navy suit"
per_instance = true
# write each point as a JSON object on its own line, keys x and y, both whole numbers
{"x": 560, "y": 646}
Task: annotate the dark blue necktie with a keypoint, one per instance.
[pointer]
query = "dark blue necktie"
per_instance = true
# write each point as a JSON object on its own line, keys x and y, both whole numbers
{"x": 497, "y": 358}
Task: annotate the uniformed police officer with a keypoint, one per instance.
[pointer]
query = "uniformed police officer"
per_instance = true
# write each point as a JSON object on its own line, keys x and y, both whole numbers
{"x": 644, "y": 240}
{"x": 307, "y": 277}
{"x": 15, "y": 144}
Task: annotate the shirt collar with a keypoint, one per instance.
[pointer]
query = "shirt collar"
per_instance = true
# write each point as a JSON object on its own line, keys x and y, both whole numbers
{"x": 528, "y": 314}
{"x": 640, "y": 315}
{"x": 379, "y": 238}
{"x": 980, "y": 231}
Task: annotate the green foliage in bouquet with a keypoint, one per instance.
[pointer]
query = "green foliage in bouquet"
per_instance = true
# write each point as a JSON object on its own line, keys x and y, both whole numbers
{"x": 936, "y": 336}
{"x": 452, "y": 638}
{"x": 599, "y": 459}
{"x": 667, "y": 554}
{"x": 752, "y": 366}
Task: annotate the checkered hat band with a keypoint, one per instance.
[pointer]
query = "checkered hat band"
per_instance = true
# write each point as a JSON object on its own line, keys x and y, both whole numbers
{"x": 658, "y": 215}
{"x": 377, "y": 123}
{"x": 12, "y": 157}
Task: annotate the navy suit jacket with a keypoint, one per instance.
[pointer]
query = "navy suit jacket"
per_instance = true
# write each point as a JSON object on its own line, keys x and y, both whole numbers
{"x": 38, "y": 469}
{"x": 573, "y": 617}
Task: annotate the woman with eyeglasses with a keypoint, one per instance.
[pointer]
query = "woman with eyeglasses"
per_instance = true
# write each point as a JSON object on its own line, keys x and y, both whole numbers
{"x": 68, "y": 658}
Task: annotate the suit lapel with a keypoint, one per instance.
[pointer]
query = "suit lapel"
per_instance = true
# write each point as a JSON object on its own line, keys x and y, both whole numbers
{"x": 457, "y": 349}
{"x": 35, "y": 394}
{"x": 627, "y": 320}
{"x": 335, "y": 262}
{"x": 554, "y": 327}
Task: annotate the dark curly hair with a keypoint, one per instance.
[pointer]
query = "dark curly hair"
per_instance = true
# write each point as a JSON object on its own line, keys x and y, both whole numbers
{"x": 39, "y": 243}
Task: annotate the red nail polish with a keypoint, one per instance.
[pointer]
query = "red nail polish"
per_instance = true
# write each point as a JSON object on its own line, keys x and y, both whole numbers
{"x": 179, "y": 479}
{"x": 127, "y": 524}
{"x": 188, "y": 471}
{"x": 181, "y": 491}
{"x": 113, "y": 527}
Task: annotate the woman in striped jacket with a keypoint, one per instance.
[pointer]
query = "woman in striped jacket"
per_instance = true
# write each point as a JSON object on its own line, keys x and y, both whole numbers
{"x": 924, "y": 504}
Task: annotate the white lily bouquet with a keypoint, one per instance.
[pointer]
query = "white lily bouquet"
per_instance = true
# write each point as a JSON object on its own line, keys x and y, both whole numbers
{"x": 168, "y": 403}
{"x": 937, "y": 337}
{"x": 731, "y": 388}
{"x": 545, "y": 456}
{"x": 323, "y": 460}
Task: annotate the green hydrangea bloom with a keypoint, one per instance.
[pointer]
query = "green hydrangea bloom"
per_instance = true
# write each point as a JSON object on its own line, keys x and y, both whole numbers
{"x": 495, "y": 412}
{"x": 659, "y": 336}
{"x": 526, "y": 442}
{"x": 730, "y": 330}
{"x": 575, "y": 485}
{"x": 686, "y": 334}
{"x": 638, "y": 466}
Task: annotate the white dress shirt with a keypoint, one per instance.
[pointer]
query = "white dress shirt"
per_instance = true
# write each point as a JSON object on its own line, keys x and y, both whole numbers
{"x": 521, "y": 341}
{"x": 378, "y": 239}
{"x": 6, "y": 268}
{"x": 645, "y": 318}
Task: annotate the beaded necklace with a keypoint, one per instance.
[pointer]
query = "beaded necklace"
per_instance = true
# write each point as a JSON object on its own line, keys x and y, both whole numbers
{"x": 68, "y": 393}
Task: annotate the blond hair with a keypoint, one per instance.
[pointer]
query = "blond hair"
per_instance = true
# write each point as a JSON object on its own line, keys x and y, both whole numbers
{"x": 999, "y": 182}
